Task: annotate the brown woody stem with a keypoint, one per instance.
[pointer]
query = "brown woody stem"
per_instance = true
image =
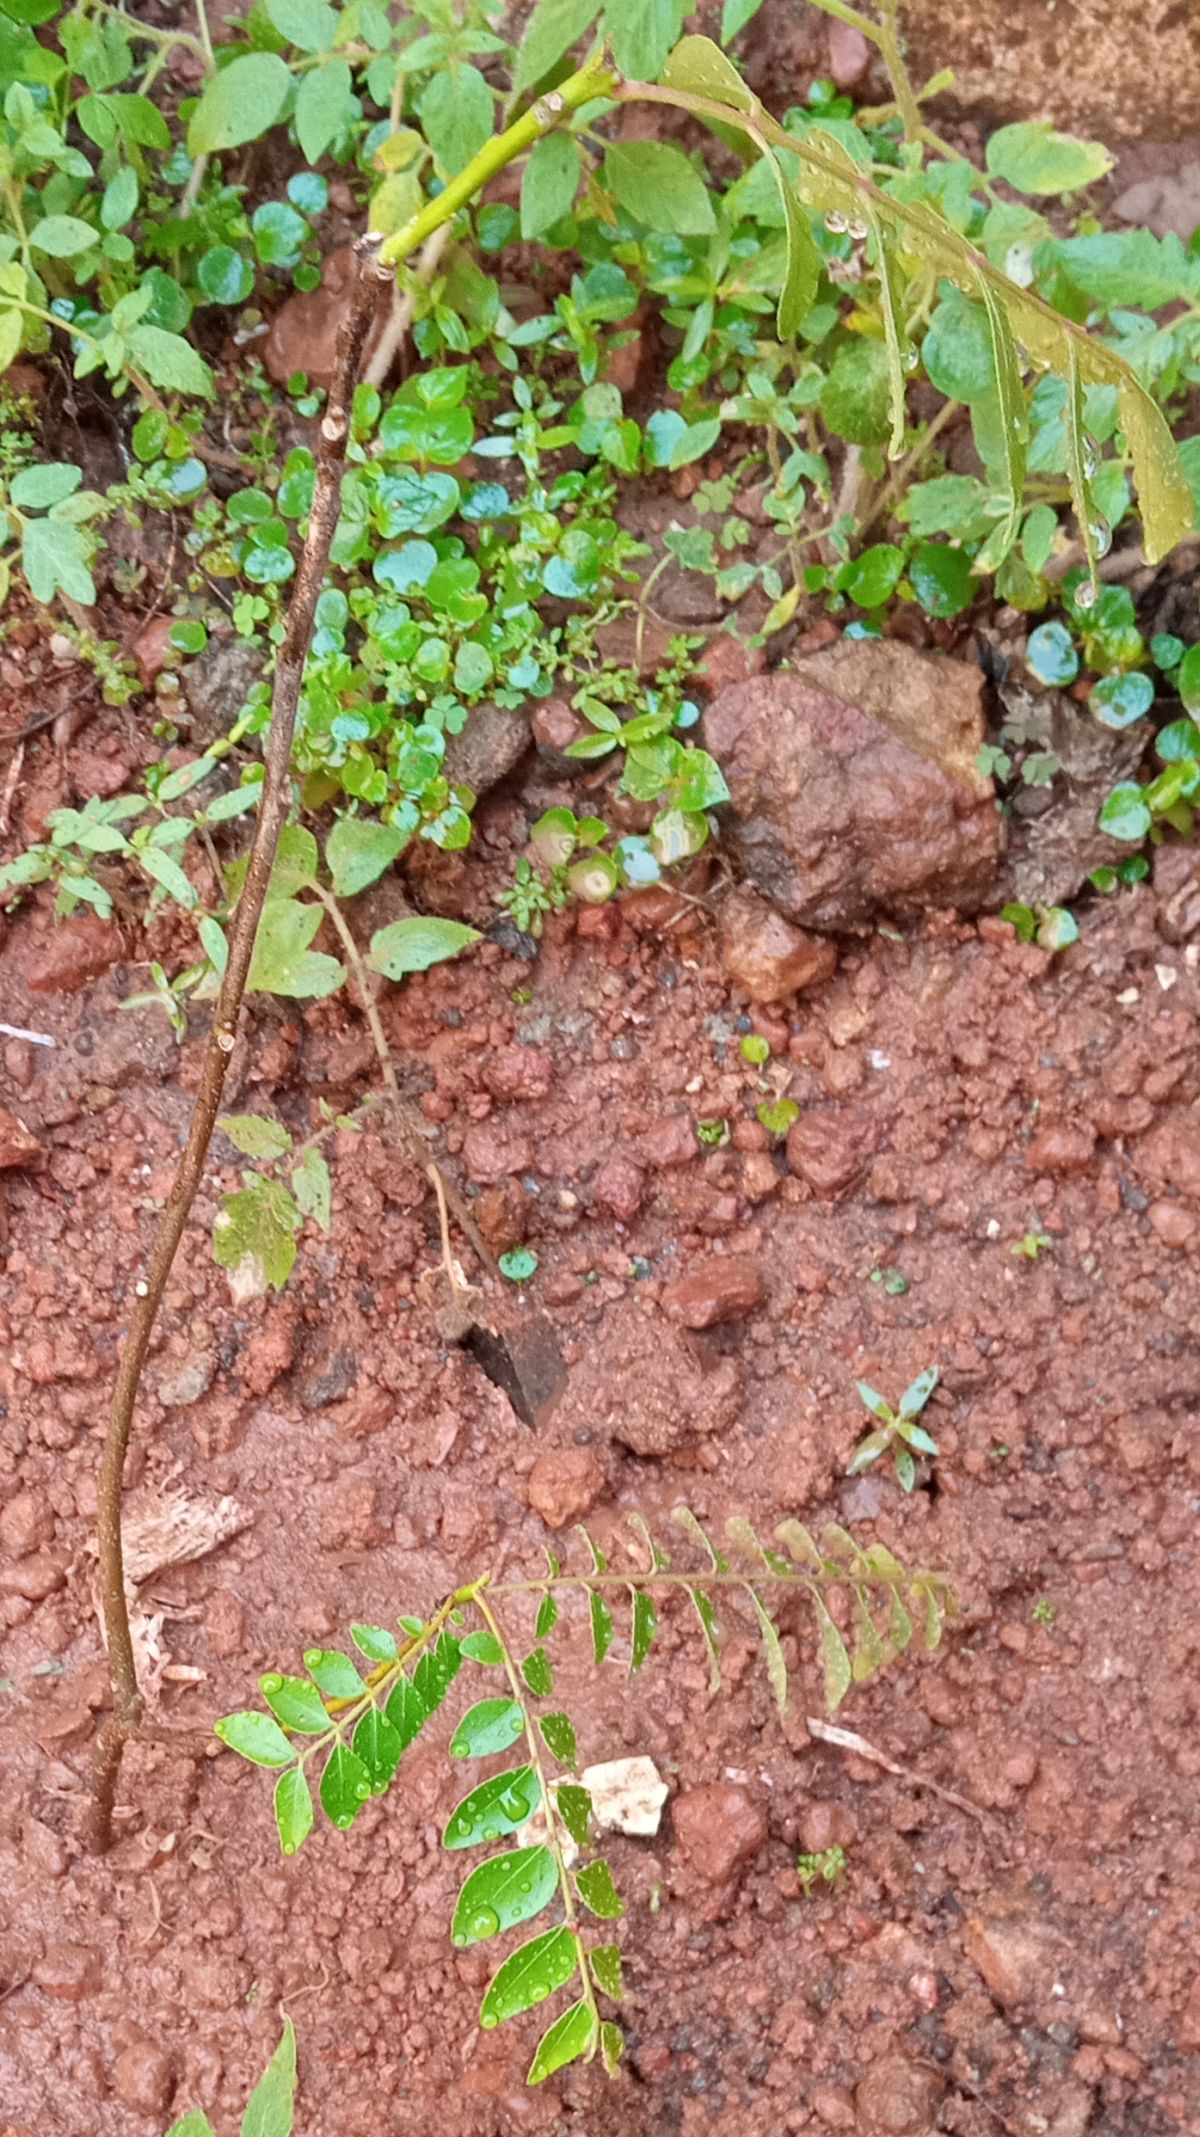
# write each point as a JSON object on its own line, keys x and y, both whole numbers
{"x": 274, "y": 807}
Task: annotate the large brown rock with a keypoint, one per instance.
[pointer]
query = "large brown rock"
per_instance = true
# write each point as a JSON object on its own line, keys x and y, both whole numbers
{"x": 767, "y": 957}
{"x": 853, "y": 784}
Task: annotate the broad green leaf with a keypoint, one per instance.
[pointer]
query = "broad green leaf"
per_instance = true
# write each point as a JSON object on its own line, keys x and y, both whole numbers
{"x": 168, "y": 875}
{"x": 258, "y": 1225}
{"x": 333, "y": 1673}
{"x": 406, "y": 1711}
{"x": 483, "y": 1647}
{"x": 773, "y": 1653}
{"x": 553, "y": 27}
{"x": 283, "y": 963}
{"x": 436, "y": 1671}
{"x": 169, "y": 361}
{"x": 735, "y": 15}
{"x": 345, "y": 1786}
{"x": 1125, "y": 815}
{"x": 605, "y": 1963}
{"x": 257, "y": 1136}
{"x": 490, "y": 1725}
{"x": 503, "y": 1892}
{"x": 559, "y": 1733}
{"x": 641, "y": 34}
{"x": 538, "y": 1675}
{"x": 457, "y": 113}
{"x": 325, "y": 103}
{"x": 241, "y": 102}
{"x": 36, "y": 489}
{"x": 942, "y": 579}
{"x": 570, "y": 2037}
{"x": 602, "y": 1626}
{"x": 293, "y": 1810}
{"x": 803, "y": 260}
{"x": 272, "y": 2104}
{"x": 656, "y": 184}
{"x": 645, "y": 1625}
{"x": 574, "y": 1807}
{"x": 295, "y": 1703}
{"x": 377, "y": 1743}
{"x": 1120, "y": 268}
{"x": 375, "y": 1642}
{"x": 55, "y": 560}
{"x": 854, "y": 400}
{"x": 838, "y": 1673}
{"x": 532, "y": 1973}
{"x": 194, "y": 2124}
{"x": 699, "y": 67}
{"x": 257, "y": 1737}
{"x": 598, "y": 1892}
{"x": 1032, "y": 158}
{"x": 414, "y": 945}
{"x": 1164, "y": 496}
{"x": 295, "y": 865}
{"x": 312, "y": 1186}
{"x": 549, "y": 183}
{"x": 62, "y": 236}
{"x": 358, "y": 850}
{"x": 310, "y": 25}
{"x": 498, "y": 1806}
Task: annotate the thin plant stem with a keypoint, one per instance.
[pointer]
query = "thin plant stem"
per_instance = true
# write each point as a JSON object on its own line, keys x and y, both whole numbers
{"x": 128, "y": 1705}
{"x": 402, "y": 1113}
{"x": 191, "y": 191}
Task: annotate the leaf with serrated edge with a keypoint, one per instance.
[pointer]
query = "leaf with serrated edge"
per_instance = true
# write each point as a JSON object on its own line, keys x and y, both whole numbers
{"x": 772, "y": 1651}
{"x": 598, "y": 1892}
{"x": 605, "y": 1963}
{"x": 645, "y": 1625}
{"x": 529, "y": 1975}
{"x": 503, "y": 1892}
{"x": 838, "y": 1674}
{"x": 571, "y": 2036}
{"x": 498, "y": 1806}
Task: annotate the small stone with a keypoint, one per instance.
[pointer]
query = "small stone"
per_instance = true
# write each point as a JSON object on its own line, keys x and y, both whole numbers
{"x": 627, "y": 1795}
{"x": 490, "y": 746}
{"x": 849, "y": 54}
{"x": 898, "y": 2099}
{"x": 1175, "y": 1225}
{"x": 18, "y": 1144}
{"x": 722, "y": 1288}
{"x": 143, "y": 2078}
{"x": 150, "y": 648}
{"x": 670, "y": 1142}
{"x": 765, "y": 955}
{"x": 187, "y": 1386}
{"x": 831, "y": 1149}
{"x": 25, "y": 1523}
{"x": 1061, "y": 1149}
{"x": 834, "y": 2107}
{"x": 82, "y": 948}
{"x": 826, "y": 1825}
{"x": 1169, "y": 1155}
{"x": 719, "y": 1827}
{"x": 492, "y": 1152}
{"x": 564, "y": 1483}
{"x": 69, "y": 1972}
{"x": 1013, "y": 1950}
{"x": 37, "y": 1577}
{"x": 554, "y": 726}
{"x": 1020, "y": 1766}
{"x": 618, "y": 1188}
{"x": 760, "y": 1175}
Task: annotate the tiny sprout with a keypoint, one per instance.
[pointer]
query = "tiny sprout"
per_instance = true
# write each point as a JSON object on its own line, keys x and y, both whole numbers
{"x": 714, "y": 1134}
{"x": 897, "y": 1425}
{"x": 1044, "y": 1612}
{"x": 1032, "y": 1246}
{"x": 755, "y": 1049}
{"x": 893, "y": 1283}
{"x": 828, "y": 1864}
{"x": 778, "y": 1115}
{"x": 519, "y": 1264}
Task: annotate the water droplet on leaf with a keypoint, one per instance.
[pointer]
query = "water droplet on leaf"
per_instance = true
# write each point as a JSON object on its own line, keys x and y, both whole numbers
{"x": 485, "y": 1922}
{"x": 1085, "y": 596}
{"x": 835, "y": 222}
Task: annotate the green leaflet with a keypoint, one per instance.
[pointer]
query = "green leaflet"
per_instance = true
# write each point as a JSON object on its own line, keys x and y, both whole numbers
{"x": 899, "y": 348}
{"x": 333, "y": 1673}
{"x": 503, "y": 1892}
{"x": 414, "y": 945}
{"x": 838, "y": 1674}
{"x": 531, "y": 1974}
{"x": 596, "y": 1889}
{"x": 570, "y": 2037}
{"x": 496, "y": 1807}
{"x": 645, "y": 1626}
{"x": 271, "y": 2105}
{"x": 293, "y": 1809}
{"x": 558, "y": 1730}
{"x": 491, "y": 1725}
{"x": 345, "y": 1786}
{"x": 776, "y": 1666}
{"x": 377, "y": 1743}
{"x": 602, "y": 1626}
{"x": 1014, "y": 416}
{"x": 605, "y": 1963}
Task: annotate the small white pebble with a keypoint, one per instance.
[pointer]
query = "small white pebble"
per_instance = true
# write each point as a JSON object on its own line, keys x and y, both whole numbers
{"x": 141, "y": 1289}
{"x": 879, "y": 1060}
{"x": 1128, "y": 997}
{"x": 993, "y": 1228}
{"x": 1166, "y": 975}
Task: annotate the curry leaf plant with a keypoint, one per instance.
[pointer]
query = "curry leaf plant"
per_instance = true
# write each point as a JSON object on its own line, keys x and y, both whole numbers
{"x": 335, "y": 1737}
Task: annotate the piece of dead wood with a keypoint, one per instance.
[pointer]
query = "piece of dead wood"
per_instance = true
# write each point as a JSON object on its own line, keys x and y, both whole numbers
{"x": 827, "y": 1732}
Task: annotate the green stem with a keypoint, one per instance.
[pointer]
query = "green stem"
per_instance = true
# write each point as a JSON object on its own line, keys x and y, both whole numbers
{"x": 548, "y": 1804}
{"x": 594, "y": 80}
{"x": 80, "y": 333}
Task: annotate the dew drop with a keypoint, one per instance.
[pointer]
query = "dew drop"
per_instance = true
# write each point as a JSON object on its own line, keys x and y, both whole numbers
{"x": 289, "y": 1847}
{"x": 459, "y": 1938}
{"x": 458, "y": 1749}
{"x": 485, "y": 1922}
{"x": 515, "y": 1805}
{"x": 491, "y": 1832}
{"x": 362, "y": 1790}
{"x": 857, "y": 231}
{"x": 487, "y": 2018}
{"x": 835, "y": 222}
{"x": 1101, "y": 534}
{"x": 1018, "y": 425}
{"x": 1089, "y": 463}
{"x": 345, "y": 1820}
{"x": 1085, "y": 596}
{"x": 526, "y": 1886}
{"x": 271, "y": 1683}
{"x": 312, "y": 1656}
{"x": 910, "y": 359}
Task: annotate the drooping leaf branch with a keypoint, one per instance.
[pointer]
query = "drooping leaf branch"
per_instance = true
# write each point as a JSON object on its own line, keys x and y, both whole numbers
{"x": 274, "y": 807}
{"x": 354, "y": 1723}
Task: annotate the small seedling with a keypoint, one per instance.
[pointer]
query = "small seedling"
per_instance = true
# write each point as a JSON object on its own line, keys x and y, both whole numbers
{"x": 1032, "y": 1246}
{"x": 754, "y": 1049}
{"x": 828, "y": 1865}
{"x": 1044, "y": 1612}
{"x": 777, "y": 1115}
{"x": 518, "y": 1265}
{"x": 897, "y": 1425}
{"x": 891, "y": 1280}
{"x": 714, "y": 1134}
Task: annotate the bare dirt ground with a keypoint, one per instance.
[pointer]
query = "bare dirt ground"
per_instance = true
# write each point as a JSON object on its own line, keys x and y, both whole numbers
{"x": 1031, "y": 1967}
